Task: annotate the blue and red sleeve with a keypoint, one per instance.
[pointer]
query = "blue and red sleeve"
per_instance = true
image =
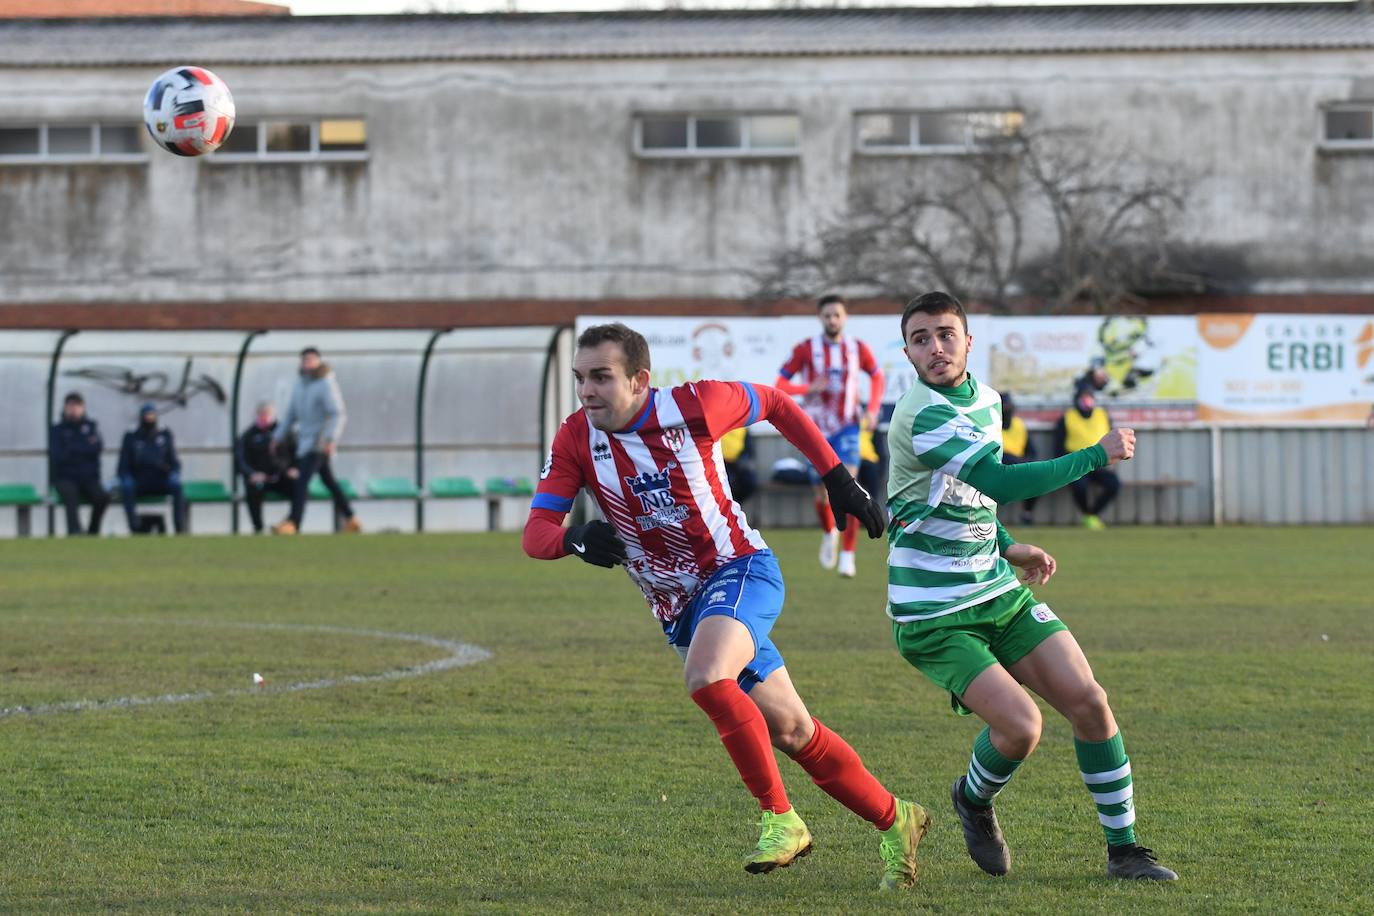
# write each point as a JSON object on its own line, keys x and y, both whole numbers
{"x": 795, "y": 363}
{"x": 559, "y": 482}
{"x": 730, "y": 405}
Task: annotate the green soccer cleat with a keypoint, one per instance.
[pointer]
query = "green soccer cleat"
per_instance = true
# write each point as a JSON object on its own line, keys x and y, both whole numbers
{"x": 898, "y": 848}
{"x": 784, "y": 840}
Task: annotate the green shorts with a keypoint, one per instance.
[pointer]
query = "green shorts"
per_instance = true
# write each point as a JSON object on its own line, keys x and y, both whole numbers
{"x": 954, "y": 649}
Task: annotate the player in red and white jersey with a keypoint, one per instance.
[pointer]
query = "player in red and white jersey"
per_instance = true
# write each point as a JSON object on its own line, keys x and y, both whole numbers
{"x": 828, "y": 366}
{"x": 650, "y": 458}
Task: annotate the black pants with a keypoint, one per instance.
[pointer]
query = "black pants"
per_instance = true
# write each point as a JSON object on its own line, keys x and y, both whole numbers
{"x": 1107, "y": 480}
{"x": 72, "y": 492}
{"x": 130, "y": 489}
{"x": 744, "y": 483}
{"x": 253, "y": 494}
{"x": 312, "y": 463}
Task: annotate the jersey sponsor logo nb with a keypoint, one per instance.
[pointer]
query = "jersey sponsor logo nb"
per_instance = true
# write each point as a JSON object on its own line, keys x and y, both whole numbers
{"x": 655, "y": 492}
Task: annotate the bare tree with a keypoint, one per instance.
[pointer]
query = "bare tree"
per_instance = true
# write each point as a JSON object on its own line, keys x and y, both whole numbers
{"x": 1048, "y": 215}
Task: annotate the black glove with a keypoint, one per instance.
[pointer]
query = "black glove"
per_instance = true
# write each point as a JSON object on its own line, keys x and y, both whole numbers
{"x": 596, "y": 543}
{"x": 848, "y": 498}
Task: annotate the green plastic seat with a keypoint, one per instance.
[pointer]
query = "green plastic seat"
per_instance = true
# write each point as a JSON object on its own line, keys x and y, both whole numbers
{"x": 206, "y": 491}
{"x": 453, "y": 488}
{"x": 319, "y": 491}
{"x": 509, "y": 486}
{"x": 392, "y": 488}
{"x": 19, "y": 494}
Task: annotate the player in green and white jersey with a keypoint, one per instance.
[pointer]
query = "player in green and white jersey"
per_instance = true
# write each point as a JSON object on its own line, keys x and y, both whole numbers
{"x": 960, "y": 614}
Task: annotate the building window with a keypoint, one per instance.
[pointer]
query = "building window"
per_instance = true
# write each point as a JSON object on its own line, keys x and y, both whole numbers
{"x": 915, "y": 132}
{"x": 293, "y": 140}
{"x": 712, "y": 135}
{"x": 71, "y": 143}
{"x": 1348, "y": 126}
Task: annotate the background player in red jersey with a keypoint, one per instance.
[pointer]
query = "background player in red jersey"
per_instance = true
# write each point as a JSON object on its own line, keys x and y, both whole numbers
{"x": 651, "y": 460}
{"x": 829, "y": 365}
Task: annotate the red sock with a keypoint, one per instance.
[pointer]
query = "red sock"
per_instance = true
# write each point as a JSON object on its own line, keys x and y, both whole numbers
{"x": 826, "y": 515}
{"x": 850, "y": 536}
{"x": 745, "y": 736}
{"x": 834, "y": 766}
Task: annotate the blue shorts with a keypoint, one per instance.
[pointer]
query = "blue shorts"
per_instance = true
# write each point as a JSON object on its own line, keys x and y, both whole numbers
{"x": 750, "y": 590}
{"x": 846, "y": 446}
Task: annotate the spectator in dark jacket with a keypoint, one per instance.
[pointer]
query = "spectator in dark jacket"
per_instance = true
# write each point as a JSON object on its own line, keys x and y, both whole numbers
{"x": 74, "y": 450}
{"x": 148, "y": 466}
{"x": 264, "y": 469}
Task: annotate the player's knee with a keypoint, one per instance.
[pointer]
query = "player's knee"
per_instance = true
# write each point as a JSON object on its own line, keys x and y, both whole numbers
{"x": 1020, "y": 733}
{"x": 697, "y": 677}
{"x": 1091, "y": 711}
{"x": 791, "y": 735}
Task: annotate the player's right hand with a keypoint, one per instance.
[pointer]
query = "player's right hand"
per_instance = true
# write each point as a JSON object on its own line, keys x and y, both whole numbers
{"x": 595, "y": 543}
{"x": 1119, "y": 444}
{"x": 848, "y": 498}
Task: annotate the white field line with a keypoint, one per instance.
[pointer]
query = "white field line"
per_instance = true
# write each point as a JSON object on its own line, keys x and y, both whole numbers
{"x": 459, "y": 655}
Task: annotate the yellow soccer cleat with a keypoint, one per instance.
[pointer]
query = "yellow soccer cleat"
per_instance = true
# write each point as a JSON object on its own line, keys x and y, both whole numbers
{"x": 898, "y": 848}
{"x": 784, "y": 840}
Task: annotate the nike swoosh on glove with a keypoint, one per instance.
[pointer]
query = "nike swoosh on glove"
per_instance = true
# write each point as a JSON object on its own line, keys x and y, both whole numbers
{"x": 595, "y": 543}
{"x": 848, "y": 498}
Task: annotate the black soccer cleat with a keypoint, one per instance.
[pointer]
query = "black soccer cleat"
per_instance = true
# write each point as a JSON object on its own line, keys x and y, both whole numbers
{"x": 982, "y": 836}
{"x": 1136, "y": 862}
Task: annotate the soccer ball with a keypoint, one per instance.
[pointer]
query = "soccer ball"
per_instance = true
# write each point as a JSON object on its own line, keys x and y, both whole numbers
{"x": 189, "y": 111}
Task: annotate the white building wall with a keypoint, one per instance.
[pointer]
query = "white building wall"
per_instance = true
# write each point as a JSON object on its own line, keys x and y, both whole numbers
{"x": 517, "y": 179}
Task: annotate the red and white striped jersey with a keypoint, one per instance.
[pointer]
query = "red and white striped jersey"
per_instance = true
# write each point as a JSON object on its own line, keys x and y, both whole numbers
{"x": 839, "y": 362}
{"x": 661, "y": 482}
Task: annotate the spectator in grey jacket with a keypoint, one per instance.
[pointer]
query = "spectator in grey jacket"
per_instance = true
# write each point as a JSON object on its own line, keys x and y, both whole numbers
{"x": 316, "y": 414}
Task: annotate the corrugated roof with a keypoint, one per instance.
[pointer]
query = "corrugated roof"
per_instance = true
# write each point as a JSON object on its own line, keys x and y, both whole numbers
{"x": 785, "y": 33}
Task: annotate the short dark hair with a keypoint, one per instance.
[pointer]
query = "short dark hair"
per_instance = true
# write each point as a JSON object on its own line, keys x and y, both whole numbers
{"x": 935, "y": 303}
{"x": 309, "y": 350}
{"x": 74, "y": 398}
{"x": 829, "y": 299}
{"x": 632, "y": 343}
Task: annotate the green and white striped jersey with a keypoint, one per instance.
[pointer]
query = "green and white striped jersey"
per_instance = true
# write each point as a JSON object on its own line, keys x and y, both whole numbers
{"x": 943, "y": 553}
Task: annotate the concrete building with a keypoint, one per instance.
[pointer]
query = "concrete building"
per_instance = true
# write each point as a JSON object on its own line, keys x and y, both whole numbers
{"x": 638, "y": 156}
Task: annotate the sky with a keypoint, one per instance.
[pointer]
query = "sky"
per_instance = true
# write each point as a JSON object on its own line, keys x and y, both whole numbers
{"x": 343, "y": 7}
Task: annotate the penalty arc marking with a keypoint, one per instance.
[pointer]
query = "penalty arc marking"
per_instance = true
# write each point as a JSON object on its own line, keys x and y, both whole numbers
{"x": 459, "y": 655}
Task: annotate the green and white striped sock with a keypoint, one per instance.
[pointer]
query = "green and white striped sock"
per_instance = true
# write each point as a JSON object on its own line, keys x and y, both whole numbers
{"x": 1107, "y": 772}
{"x": 988, "y": 771}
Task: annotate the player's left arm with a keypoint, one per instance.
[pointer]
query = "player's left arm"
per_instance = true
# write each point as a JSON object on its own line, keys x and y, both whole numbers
{"x": 876, "y": 383}
{"x": 729, "y": 405}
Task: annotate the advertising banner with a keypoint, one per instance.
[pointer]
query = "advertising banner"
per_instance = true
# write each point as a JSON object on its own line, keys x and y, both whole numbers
{"x": 1286, "y": 368}
{"x": 753, "y": 349}
{"x": 1150, "y": 364}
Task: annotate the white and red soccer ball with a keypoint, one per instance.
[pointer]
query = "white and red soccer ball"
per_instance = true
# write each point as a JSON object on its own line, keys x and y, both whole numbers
{"x": 189, "y": 111}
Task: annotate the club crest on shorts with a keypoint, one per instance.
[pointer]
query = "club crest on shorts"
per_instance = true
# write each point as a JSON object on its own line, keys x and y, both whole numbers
{"x": 1042, "y": 613}
{"x": 675, "y": 438}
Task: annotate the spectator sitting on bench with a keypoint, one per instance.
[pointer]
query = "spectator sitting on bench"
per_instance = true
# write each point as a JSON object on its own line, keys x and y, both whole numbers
{"x": 264, "y": 469}
{"x": 74, "y": 450}
{"x": 148, "y": 466}
{"x": 1082, "y": 425}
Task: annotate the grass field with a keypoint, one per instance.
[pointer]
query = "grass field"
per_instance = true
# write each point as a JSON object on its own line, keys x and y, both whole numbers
{"x": 569, "y": 772}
